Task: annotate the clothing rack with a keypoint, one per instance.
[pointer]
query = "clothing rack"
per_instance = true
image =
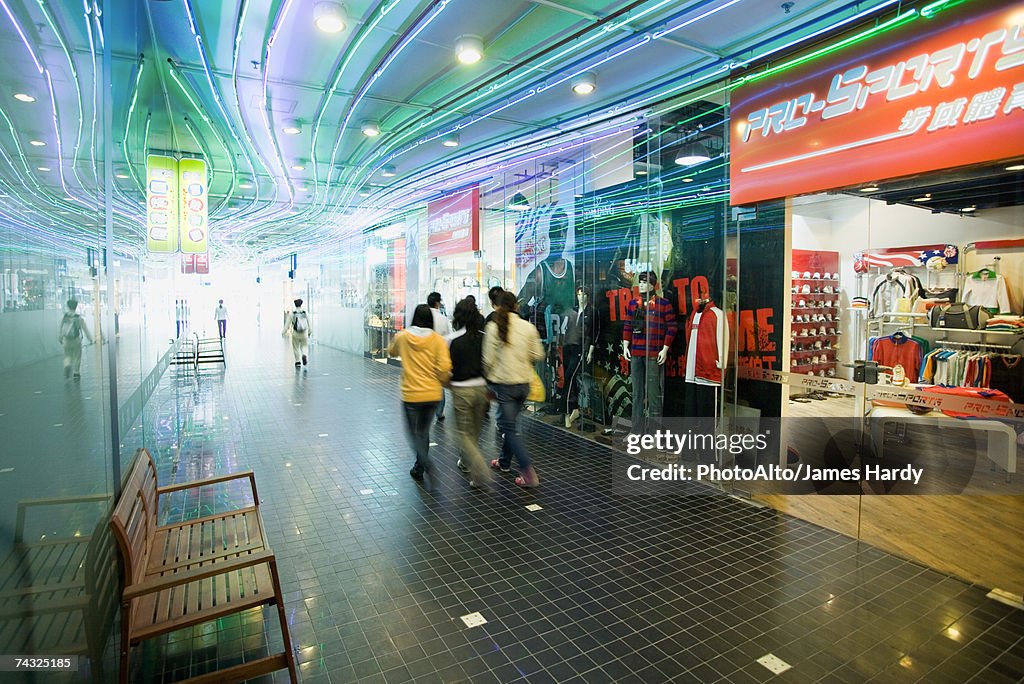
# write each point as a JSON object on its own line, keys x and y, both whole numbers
{"x": 982, "y": 346}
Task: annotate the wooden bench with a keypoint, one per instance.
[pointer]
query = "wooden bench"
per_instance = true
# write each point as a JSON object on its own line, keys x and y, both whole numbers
{"x": 191, "y": 572}
{"x": 57, "y": 593}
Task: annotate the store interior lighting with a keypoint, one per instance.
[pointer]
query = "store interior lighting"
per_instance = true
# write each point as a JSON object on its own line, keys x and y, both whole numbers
{"x": 450, "y": 140}
{"x": 518, "y": 203}
{"x": 245, "y": 183}
{"x": 691, "y": 154}
{"x": 869, "y": 188}
{"x": 1015, "y": 167}
{"x": 24, "y": 97}
{"x": 370, "y": 128}
{"x": 292, "y": 127}
{"x": 388, "y": 171}
{"x": 299, "y": 165}
{"x": 585, "y": 83}
{"x": 469, "y": 49}
{"x": 37, "y": 143}
{"x": 329, "y": 17}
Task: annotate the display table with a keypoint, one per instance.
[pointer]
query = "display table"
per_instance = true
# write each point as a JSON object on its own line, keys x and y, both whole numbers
{"x": 1000, "y": 438}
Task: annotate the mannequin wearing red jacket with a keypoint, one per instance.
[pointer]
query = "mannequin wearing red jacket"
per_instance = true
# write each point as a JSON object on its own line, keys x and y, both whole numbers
{"x": 647, "y": 335}
{"x": 707, "y": 346}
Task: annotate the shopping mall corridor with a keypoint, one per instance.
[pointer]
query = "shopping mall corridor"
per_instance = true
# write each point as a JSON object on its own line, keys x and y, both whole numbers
{"x": 590, "y": 588}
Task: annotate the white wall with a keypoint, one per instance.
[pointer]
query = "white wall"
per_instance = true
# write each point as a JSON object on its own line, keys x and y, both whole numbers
{"x": 850, "y": 225}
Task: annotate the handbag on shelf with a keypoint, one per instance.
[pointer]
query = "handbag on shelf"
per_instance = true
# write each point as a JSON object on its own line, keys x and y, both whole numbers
{"x": 959, "y": 316}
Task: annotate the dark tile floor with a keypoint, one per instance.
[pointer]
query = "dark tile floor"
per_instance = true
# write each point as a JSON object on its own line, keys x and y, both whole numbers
{"x": 591, "y": 588}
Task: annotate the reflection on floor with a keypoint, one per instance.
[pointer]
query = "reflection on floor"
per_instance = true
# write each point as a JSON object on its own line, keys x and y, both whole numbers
{"x": 592, "y": 587}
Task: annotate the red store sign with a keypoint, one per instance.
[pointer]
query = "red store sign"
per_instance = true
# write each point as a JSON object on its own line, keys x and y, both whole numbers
{"x": 453, "y": 224}
{"x": 931, "y": 94}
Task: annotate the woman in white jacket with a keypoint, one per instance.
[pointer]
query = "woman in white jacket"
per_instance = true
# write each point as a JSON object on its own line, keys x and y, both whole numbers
{"x": 511, "y": 347}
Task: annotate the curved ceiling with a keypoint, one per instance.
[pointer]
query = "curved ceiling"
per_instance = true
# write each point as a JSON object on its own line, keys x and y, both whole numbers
{"x": 222, "y": 80}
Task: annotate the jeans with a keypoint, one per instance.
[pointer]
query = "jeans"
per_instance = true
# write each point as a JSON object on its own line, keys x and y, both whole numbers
{"x": 647, "y": 378}
{"x": 222, "y": 327}
{"x": 439, "y": 413}
{"x": 511, "y": 399}
{"x": 417, "y": 426}
{"x": 470, "y": 405}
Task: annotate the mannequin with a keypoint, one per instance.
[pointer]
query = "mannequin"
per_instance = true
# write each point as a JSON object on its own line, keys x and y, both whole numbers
{"x": 581, "y": 333}
{"x": 650, "y": 328}
{"x": 706, "y": 349}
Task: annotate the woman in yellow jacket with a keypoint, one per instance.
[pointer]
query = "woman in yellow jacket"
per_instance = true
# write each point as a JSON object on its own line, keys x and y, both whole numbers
{"x": 426, "y": 366}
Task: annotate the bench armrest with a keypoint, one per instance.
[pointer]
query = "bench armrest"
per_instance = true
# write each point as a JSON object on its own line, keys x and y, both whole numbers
{"x": 23, "y": 506}
{"x": 177, "y": 579}
{"x": 213, "y": 480}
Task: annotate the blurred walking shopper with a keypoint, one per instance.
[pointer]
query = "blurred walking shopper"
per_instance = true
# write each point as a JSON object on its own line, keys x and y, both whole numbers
{"x": 426, "y": 365}
{"x": 469, "y": 389}
{"x": 443, "y": 328}
{"x": 72, "y": 329}
{"x": 221, "y": 315}
{"x": 511, "y": 347}
{"x": 297, "y": 325}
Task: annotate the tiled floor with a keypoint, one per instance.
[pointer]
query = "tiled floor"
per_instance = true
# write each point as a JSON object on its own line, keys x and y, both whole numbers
{"x": 591, "y": 588}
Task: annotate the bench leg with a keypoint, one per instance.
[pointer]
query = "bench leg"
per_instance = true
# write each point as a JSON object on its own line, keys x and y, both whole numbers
{"x": 126, "y": 645}
{"x": 289, "y": 654}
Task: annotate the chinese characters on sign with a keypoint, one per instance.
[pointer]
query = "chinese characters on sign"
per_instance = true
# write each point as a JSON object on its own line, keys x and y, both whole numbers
{"x": 935, "y": 93}
{"x": 453, "y": 224}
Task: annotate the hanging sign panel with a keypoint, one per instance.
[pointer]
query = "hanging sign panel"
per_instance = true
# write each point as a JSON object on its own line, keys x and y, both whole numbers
{"x": 188, "y": 263}
{"x": 202, "y": 263}
{"x": 194, "y": 227}
{"x": 453, "y": 224}
{"x": 161, "y": 204}
{"x": 935, "y": 93}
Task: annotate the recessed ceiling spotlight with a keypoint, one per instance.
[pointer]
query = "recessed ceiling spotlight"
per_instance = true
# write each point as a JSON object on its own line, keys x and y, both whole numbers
{"x": 450, "y": 140}
{"x": 42, "y": 168}
{"x": 24, "y": 97}
{"x": 329, "y": 17}
{"x": 292, "y": 127}
{"x": 687, "y": 180}
{"x": 302, "y": 188}
{"x": 1015, "y": 167}
{"x": 37, "y": 143}
{"x": 923, "y": 198}
{"x": 969, "y": 209}
{"x": 469, "y": 49}
{"x": 578, "y": 195}
{"x": 299, "y": 165}
{"x": 370, "y": 128}
{"x": 364, "y": 193}
{"x": 388, "y": 171}
{"x": 870, "y": 188}
{"x": 245, "y": 183}
{"x": 121, "y": 173}
{"x": 585, "y": 83}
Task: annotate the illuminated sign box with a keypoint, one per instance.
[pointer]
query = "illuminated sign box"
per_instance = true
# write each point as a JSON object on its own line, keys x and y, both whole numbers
{"x": 935, "y": 93}
{"x": 453, "y": 224}
{"x": 161, "y": 204}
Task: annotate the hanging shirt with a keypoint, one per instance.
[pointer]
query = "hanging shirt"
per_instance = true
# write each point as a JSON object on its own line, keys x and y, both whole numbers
{"x": 990, "y": 293}
{"x": 902, "y": 351}
{"x": 707, "y": 346}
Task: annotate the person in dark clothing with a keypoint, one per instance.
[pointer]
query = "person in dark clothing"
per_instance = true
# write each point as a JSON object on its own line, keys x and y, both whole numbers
{"x": 493, "y": 295}
{"x": 469, "y": 389}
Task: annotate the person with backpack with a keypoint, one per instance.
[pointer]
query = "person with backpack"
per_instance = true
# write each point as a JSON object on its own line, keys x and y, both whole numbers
{"x": 469, "y": 389}
{"x": 72, "y": 329}
{"x": 426, "y": 367}
{"x": 297, "y": 325}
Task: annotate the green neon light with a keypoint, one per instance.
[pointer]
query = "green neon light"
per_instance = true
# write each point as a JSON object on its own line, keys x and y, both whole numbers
{"x": 929, "y": 11}
{"x": 896, "y": 21}
{"x": 128, "y": 125}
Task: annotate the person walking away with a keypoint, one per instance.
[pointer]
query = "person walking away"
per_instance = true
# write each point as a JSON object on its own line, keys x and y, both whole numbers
{"x": 221, "y": 315}
{"x": 442, "y": 328}
{"x": 511, "y": 347}
{"x": 72, "y": 329}
{"x": 469, "y": 389}
{"x": 426, "y": 365}
{"x": 297, "y": 325}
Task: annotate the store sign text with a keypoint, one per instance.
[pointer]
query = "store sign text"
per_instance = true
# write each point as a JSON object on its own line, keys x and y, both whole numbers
{"x": 933, "y": 94}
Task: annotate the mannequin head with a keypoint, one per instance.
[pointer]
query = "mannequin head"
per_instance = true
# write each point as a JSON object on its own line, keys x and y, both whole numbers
{"x": 582, "y": 296}
{"x": 558, "y": 231}
{"x": 648, "y": 282}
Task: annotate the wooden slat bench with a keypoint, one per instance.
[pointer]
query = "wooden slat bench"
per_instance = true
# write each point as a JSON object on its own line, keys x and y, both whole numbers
{"x": 187, "y": 573}
{"x": 57, "y": 593}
